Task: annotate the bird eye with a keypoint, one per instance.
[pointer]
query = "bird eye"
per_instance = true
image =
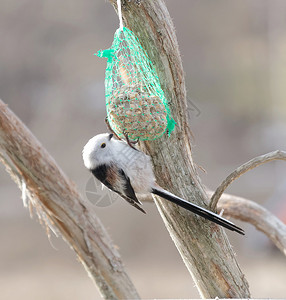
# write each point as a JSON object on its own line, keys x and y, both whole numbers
{"x": 103, "y": 145}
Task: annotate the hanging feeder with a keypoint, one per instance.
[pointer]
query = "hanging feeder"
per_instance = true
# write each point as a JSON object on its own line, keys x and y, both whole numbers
{"x": 135, "y": 102}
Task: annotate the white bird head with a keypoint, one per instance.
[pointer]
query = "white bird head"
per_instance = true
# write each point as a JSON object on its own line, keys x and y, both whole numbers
{"x": 98, "y": 150}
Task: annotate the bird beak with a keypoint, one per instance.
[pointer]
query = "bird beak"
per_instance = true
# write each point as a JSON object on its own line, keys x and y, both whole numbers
{"x": 110, "y": 136}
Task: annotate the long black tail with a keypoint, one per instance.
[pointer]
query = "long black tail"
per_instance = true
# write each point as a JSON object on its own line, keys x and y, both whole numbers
{"x": 197, "y": 210}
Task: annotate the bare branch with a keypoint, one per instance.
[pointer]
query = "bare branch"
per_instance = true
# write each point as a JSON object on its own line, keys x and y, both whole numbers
{"x": 203, "y": 246}
{"x": 253, "y": 213}
{"x": 253, "y": 163}
{"x": 59, "y": 205}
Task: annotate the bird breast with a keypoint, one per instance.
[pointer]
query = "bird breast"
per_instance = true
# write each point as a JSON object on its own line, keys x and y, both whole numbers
{"x": 137, "y": 166}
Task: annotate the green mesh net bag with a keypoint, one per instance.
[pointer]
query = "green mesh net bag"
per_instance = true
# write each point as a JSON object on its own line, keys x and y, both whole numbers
{"x": 135, "y": 102}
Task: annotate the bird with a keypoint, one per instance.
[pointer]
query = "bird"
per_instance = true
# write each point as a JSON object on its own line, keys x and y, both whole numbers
{"x": 128, "y": 172}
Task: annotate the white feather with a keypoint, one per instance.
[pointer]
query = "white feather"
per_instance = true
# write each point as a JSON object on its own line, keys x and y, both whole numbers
{"x": 24, "y": 194}
{"x": 135, "y": 164}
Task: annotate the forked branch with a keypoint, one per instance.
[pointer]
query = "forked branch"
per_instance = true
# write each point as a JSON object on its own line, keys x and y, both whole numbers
{"x": 248, "y": 211}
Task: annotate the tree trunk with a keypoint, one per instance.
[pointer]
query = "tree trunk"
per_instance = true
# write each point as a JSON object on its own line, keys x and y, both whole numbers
{"x": 203, "y": 245}
{"x": 59, "y": 205}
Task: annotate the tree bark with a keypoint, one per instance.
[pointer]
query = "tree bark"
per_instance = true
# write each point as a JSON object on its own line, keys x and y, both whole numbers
{"x": 59, "y": 205}
{"x": 203, "y": 246}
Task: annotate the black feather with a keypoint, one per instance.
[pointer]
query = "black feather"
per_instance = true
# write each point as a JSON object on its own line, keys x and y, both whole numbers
{"x": 198, "y": 210}
{"x": 109, "y": 174}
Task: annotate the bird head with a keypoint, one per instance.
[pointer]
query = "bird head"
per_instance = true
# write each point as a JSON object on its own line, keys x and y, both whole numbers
{"x": 97, "y": 151}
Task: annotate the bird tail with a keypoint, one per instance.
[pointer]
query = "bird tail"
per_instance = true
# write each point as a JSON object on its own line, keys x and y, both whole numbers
{"x": 197, "y": 210}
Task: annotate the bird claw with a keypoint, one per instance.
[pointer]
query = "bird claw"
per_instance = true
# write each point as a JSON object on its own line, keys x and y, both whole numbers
{"x": 125, "y": 133}
{"x": 130, "y": 143}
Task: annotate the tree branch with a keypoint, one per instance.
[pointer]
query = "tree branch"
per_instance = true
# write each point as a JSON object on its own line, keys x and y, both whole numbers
{"x": 202, "y": 245}
{"x": 58, "y": 204}
{"x": 253, "y": 163}
{"x": 253, "y": 213}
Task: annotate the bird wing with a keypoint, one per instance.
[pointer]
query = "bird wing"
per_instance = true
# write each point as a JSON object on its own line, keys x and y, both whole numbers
{"x": 197, "y": 210}
{"x": 116, "y": 180}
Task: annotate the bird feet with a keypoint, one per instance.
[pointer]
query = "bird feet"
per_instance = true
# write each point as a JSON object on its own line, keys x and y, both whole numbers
{"x": 125, "y": 133}
{"x": 130, "y": 143}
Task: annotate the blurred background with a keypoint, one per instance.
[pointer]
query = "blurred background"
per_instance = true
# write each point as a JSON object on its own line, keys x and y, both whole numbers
{"x": 234, "y": 57}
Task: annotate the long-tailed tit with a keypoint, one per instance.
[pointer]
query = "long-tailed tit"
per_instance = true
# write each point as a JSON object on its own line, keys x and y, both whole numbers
{"x": 128, "y": 171}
